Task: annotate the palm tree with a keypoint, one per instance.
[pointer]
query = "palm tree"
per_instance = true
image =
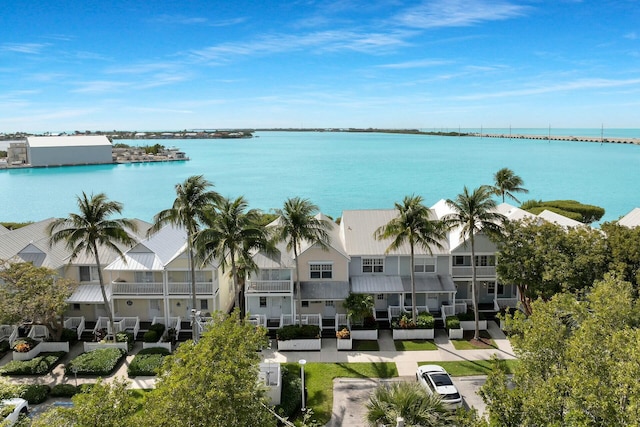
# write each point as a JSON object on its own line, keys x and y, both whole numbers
{"x": 92, "y": 228}
{"x": 413, "y": 225}
{"x": 189, "y": 210}
{"x": 296, "y": 223}
{"x": 409, "y": 401}
{"x": 474, "y": 212}
{"x": 507, "y": 183}
{"x": 231, "y": 235}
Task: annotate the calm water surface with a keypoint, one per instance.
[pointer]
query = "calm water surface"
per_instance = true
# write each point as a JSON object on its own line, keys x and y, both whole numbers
{"x": 340, "y": 171}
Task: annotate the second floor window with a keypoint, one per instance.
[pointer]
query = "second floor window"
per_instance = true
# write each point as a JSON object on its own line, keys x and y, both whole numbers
{"x": 88, "y": 274}
{"x": 424, "y": 265}
{"x": 485, "y": 260}
{"x": 320, "y": 271}
{"x": 373, "y": 265}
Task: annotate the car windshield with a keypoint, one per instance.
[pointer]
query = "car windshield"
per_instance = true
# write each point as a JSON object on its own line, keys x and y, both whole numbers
{"x": 441, "y": 379}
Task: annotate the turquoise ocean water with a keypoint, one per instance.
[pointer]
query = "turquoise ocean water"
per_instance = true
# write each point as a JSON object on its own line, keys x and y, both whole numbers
{"x": 341, "y": 171}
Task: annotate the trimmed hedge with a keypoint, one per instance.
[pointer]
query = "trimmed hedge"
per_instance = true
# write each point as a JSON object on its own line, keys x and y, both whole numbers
{"x": 159, "y": 328}
{"x": 569, "y": 208}
{"x": 150, "y": 336}
{"x": 291, "y": 396}
{"x": 423, "y": 321}
{"x": 291, "y": 332}
{"x": 39, "y": 365}
{"x": 102, "y": 361}
{"x": 452, "y": 322}
{"x": 64, "y": 390}
{"x": 147, "y": 362}
{"x": 35, "y": 393}
{"x": 469, "y": 315}
{"x": 69, "y": 335}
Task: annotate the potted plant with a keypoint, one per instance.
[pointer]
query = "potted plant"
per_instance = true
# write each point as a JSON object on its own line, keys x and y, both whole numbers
{"x": 344, "y": 340}
{"x": 405, "y": 329}
{"x": 301, "y": 338}
{"x": 360, "y": 313}
{"x": 453, "y": 327}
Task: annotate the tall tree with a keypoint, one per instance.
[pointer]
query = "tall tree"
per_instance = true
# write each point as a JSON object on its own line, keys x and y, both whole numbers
{"x": 474, "y": 212}
{"x": 408, "y": 401}
{"x": 506, "y": 182}
{"x": 92, "y": 228}
{"x": 297, "y": 223}
{"x": 193, "y": 202}
{"x": 230, "y": 235}
{"x": 34, "y": 293}
{"x": 214, "y": 382}
{"x": 415, "y": 226}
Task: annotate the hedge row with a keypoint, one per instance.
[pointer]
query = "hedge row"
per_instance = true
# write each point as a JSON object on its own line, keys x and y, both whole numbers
{"x": 32, "y": 393}
{"x": 587, "y": 213}
{"x": 102, "y": 361}
{"x": 39, "y": 365}
{"x": 147, "y": 362}
{"x": 291, "y": 332}
{"x": 291, "y": 396}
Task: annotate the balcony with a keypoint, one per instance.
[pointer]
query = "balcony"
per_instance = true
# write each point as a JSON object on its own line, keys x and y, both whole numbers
{"x": 260, "y": 286}
{"x": 133, "y": 288}
{"x": 465, "y": 271}
{"x": 184, "y": 288}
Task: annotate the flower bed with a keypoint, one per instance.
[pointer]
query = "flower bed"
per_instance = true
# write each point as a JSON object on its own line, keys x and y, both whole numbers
{"x": 302, "y": 338}
{"x": 344, "y": 340}
{"x": 102, "y": 361}
{"x": 405, "y": 329}
{"x": 39, "y": 365}
{"x": 453, "y": 327}
{"x": 147, "y": 362}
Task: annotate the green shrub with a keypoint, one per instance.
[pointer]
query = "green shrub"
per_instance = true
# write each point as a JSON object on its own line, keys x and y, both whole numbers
{"x": 571, "y": 215}
{"x": 69, "y": 335}
{"x": 452, "y": 322}
{"x": 63, "y": 390}
{"x": 469, "y": 315}
{"x": 4, "y": 347}
{"x": 291, "y": 332}
{"x": 158, "y": 327}
{"x": 425, "y": 321}
{"x": 147, "y": 361}
{"x": 150, "y": 336}
{"x": 569, "y": 208}
{"x": 35, "y": 393}
{"x": 126, "y": 337}
{"x": 39, "y": 365}
{"x": 291, "y": 395}
{"x": 102, "y": 361}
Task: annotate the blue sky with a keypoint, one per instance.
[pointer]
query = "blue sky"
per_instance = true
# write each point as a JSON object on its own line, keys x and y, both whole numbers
{"x": 152, "y": 65}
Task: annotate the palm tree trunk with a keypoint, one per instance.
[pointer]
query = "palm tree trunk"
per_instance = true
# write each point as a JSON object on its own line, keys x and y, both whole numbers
{"x": 299, "y": 295}
{"x": 234, "y": 277}
{"x": 192, "y": 268}
{"x": 107, "y": 307}
{"x": 413, "y": 287}
{"x": 474, "y": 296}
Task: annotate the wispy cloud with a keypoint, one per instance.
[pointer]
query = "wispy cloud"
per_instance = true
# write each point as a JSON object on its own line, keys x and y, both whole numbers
{"x": 458, "y": 13}
{"x": 423, "y": 63}
{"x": 196, "y": 20}
{"x": 100, "y": 86}
{"x": 29, "y": 48}
{"x": 631, "y": 36}
{"x": 580, "y": 84}
{"x": 322, "y": 41}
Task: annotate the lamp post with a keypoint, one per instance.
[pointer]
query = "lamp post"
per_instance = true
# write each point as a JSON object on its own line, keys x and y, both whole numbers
{"x": 302, "y": 362}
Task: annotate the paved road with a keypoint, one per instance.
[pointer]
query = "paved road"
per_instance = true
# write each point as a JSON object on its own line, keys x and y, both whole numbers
{"x": 350, "y": 396}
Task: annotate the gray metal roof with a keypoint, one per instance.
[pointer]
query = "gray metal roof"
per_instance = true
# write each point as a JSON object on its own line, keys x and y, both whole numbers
{"x": 87, "y": 294}
{"x": 36, "y": 235}
{"x": 632, "y": 219}
{"x": 559, "y": 219}
{"x": 3, "y": 229}
{"x": 430, "y": 283}
{"x": 324, "y": 290}
{"x": 358, "y": 227}
{"x": 376, "y": 284}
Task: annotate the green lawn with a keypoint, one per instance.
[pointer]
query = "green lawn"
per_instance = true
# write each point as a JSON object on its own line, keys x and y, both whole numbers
{"x": 467, "y": 342}
{"x": 470, "y": 367}
{"x": 414, "y": 345}
{"x": 366, "y": 345}
{"x": 319, "y": 381}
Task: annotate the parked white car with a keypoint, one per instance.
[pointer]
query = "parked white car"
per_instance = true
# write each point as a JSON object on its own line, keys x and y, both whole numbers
{"x": 11, "y": 409}
{"x": 436, "y": 380}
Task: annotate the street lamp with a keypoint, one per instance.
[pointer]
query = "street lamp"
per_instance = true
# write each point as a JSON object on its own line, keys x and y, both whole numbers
{"x": 302, "y": 362}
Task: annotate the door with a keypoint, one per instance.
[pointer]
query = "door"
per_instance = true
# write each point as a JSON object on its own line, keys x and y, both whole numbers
{"x": 154, "y": 309}
{"x": 329, "y": 309}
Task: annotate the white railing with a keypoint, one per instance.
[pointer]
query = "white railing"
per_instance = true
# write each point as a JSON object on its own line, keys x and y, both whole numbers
{"x": 76, "y": 323}
{"x": 258, "y": 319}
{"x": 38, "y": 332}
{"x": 499, "y": 303}
{"x": 452, "y": 310}
{"x": 254, "y": 286}
{"x": 137, "y": 288}
{"x": 394, "y": 311}
{"x": 305, "y": 319}
{"x": 120, "y": 324}
{"x": 174, "y": 322}
{"x": 341, "y": 320}
{"x": 184, "y": 288}
{"x": 480, "y": 271}
{"x": 8, "y": 332}
{"x": 419, "y": 309}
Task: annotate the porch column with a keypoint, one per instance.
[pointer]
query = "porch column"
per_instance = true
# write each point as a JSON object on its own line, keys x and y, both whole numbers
{"x": 165, "y": 297}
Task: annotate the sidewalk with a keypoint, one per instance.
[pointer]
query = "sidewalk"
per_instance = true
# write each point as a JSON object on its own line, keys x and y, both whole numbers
{"x": 406, "y": 361}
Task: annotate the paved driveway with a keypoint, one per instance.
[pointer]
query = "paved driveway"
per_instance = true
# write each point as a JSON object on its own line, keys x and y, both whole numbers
{"x": 351, "y": 394}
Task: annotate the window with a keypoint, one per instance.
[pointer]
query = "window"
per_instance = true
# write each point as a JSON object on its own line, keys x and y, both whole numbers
{"x": 485, "y": 260}
{"x": 88, "y": 274}
{"x": 204, "y": 304}
{"x": 380, "y": 297}
{"x": 328, "y": 303}
{"x": 201, "y": 276}
{"x": 491, "y": 288}
{"x": 143, "y": 276}
{"x": 424, "y": 265}
{"x": 500, "y": 289}
{"x": 263, "y": 301}
{"x": 268, "y": 274}
{"x": 320, "y": 271}
{"x": 305, "y": 303}
{"x": 76, "y": 307}
{"x": 373, "y": 265}
{"x": 459, "y": 260}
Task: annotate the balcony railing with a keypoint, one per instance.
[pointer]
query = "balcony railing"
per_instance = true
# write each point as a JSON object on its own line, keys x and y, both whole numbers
{"x": 133, "y": 288}
{"x": 480, "y": 271}
{"x": 269, "y": 286}
{"x": 185, "y": 288}
{"x": 500, "y": 303}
